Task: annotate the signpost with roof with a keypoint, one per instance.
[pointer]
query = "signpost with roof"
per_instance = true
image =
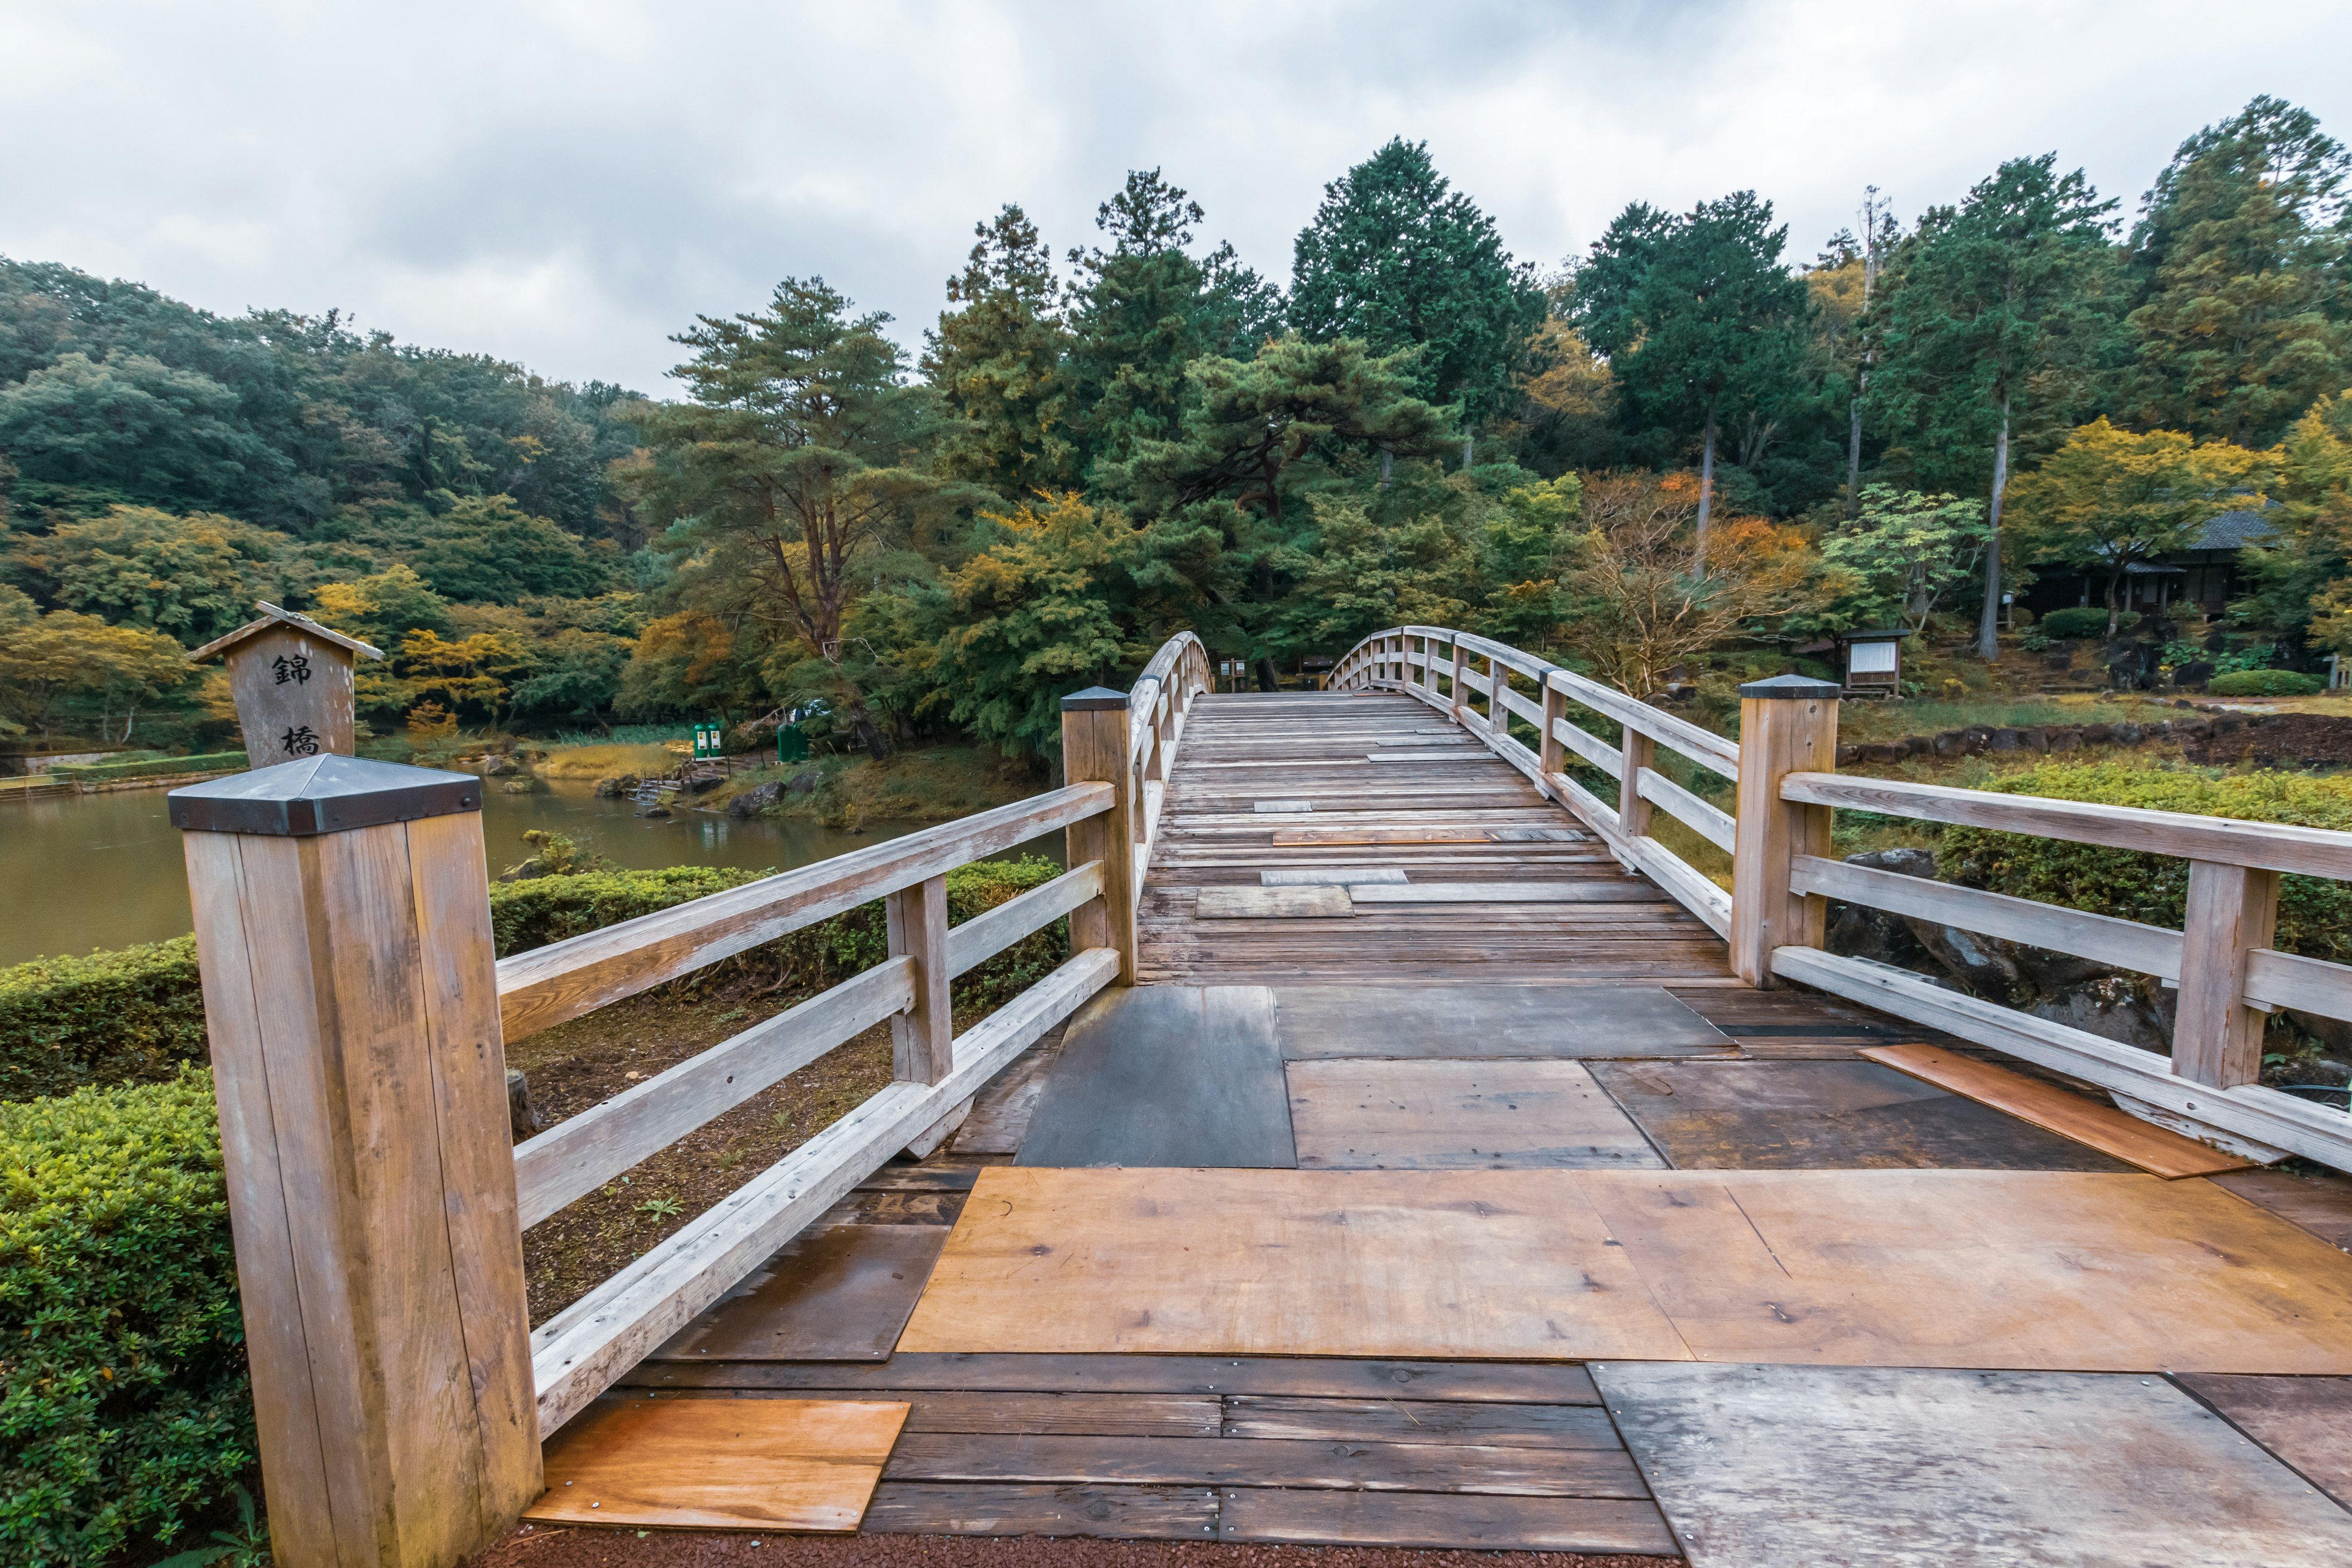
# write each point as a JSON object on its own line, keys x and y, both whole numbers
{"x": 292, "y": 681}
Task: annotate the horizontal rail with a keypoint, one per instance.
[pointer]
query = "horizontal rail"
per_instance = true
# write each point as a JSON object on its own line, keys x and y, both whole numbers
{"x": 2269, "y": 846}
{"x": 1710, "y": 822}
{"x": 584, "y": 1349}
{"x": 2262, "y": 1121}
{"x": 2275, "y": 979}
{"x": 2126, "y": 944}
{"x": 984, "y": 936}
{"x": 575, "y": 1157}
{"x": 1590, "y": 747}
{"x": 548, "y": 985}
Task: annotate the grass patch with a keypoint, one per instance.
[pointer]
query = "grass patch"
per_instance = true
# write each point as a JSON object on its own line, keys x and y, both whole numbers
{"x": 1861, "y": 721}
{"x": 605, "y": 759}
{"x": 935, "y": 783}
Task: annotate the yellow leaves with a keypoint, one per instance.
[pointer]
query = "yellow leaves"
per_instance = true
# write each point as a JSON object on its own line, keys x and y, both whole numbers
{"x": 2115, "y": 492}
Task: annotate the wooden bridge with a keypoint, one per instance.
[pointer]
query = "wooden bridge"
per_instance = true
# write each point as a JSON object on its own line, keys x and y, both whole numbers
{"x": 1413, "y": 1150}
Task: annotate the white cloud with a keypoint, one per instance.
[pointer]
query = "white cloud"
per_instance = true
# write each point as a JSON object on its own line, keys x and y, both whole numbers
{"x": 566, "y": 182}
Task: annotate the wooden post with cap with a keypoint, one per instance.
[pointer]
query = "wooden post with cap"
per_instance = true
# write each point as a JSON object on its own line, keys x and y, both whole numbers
{"x": 1094, "y": 749}
{"x": 1786, "y": 725}
{"x": 350, "y": 996}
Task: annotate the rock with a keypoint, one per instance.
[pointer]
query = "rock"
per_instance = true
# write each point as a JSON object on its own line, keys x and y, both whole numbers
{"x": 2097, "y": 734}
{"x": 2111, "y": 1008}
{"x": 756, "y": 799}
{"x": 1857, "y": 930}
{"x": 617, "y": 785}
{"x": 1882, "y": 752}
{"x": 1848, "y": 755}
{"x": 2034, "y": 738}
{"x": 656, "y": 810}
{"x": 2066, "y": 739}
{"x": 2129, "y": 734}
{"x": 804, "y": 783}
{"x": 497, "y": 765}
{"x": 2007, "y": 741}
{"x": 526, "y": 784}
{"x": 1918, "y": 745}
{"x": 1950, "y": 744}
{"x": 1904, "y": 861}
{"x": 522, "y": 1120}
{"x": 1975, "y": 740}
{"x": 1975, "y": 961}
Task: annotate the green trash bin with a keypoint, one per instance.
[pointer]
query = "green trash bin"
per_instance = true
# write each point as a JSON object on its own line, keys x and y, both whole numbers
{"x": 792, "y": 745}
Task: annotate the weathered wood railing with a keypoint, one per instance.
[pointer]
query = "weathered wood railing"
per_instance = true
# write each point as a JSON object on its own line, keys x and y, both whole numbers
{"x": 358, "y": 1016}
{"x": 2228, "y": 976}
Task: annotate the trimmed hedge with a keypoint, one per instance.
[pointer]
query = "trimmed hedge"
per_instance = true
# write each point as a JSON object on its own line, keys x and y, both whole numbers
{"x": 2314, "y": 914}
{"x": 2084, "y": 621}
{"x": 126, "y": 1410}
{"x": 2265, "y": 683}
{"x": 132, "y": 1016}
{"x": 152, "y": 767}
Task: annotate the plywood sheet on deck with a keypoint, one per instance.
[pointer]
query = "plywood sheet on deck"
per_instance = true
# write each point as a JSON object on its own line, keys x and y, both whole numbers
{"x": 2306, "y": 1421}
{"x": 1166, "y": 1075}
{"x": 1458, "y": 1115}
{"x": 2037, "y": 1271}
{"x": 1489, "y": 1020}
{"x": 719, "y": 1464}
{"x": 1272, "y": 903}
{"x": 1828, "y": 1115}
{"x": 1782, "y": 1467}
{"x": 841, "y": 1293}
{"x": 1374, "y": 1263}
{"x": 2155, "y": 1150}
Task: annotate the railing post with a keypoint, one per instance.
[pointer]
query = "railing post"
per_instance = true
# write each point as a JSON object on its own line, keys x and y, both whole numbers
{"x": 1635, "y": 752}
{"x": 1094, "y": 748}
{"x": 1499, "y": 685}
{"x": 1551, "y": 757}
{"x": 922, "y": 1038}
{"x": 350, "y": 996}
{"x": 2217, "y": 1039}
{"x": 1458, "y": 698}
{"x": 1787, "y": 724}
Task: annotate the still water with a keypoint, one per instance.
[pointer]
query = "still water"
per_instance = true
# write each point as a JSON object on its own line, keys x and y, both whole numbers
{"x": 104, "y": 870}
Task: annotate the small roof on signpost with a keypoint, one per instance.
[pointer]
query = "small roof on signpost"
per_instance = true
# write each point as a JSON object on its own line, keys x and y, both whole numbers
{"x": 271, "y": 616}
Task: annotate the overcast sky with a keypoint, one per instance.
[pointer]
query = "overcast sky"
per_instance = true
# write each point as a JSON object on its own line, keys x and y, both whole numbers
{"x": 565, "y": 182}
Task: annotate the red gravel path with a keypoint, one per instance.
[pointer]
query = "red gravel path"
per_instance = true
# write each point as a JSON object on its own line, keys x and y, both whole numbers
{"x": 553, "y": 1548}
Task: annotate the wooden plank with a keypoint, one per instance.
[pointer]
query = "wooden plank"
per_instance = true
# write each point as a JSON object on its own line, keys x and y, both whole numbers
{"x": 1272, "y": 903}
{"x": 2305, "y": 1421}
{"x": 1167, "y": 1075}
{"x": 1829, "y": 1115}
{"x": 1110, "y": 1512}
{"x": 1095, "y": 734}
{"x": 923, "y": 1033}
{"x": 1513, "y": 1382}
{"x": 1609, "y": 758}
{"x": 1783, "y": 1467}
{"x": 1492, "y": 1020}
{"x": 718, "y": 1464}
{"x": 1433, "y": 834}
{"x": 1331, "y": 876}
{"x": 2231, "y": 913}
{"x": 540, "y": 989}
{"x": 2320, "y": 1204}
{"x": 838, "y": 1293}
{"x": 1420, "y": 1421}
{"x": 1360, "y": 1263}
{"x": 1426, "y": 1519}
{"x": 2246, "y": 1111}
{"x": 971, "y": 1414}
{"x": 2307, "y": 985}
{"x": 2128, "y": 944}
{"x": 1283, "y": 806}
{"x": 1702, "y": 816}
{"x": 1001, "y": 1113}
{"x": 2270, "y": 846}
{"x": 1588, "y": 892}
{"x": 2044, "y": 1104}
{"x": 1431, "y": 1463}
{"x": 582, "y": 1153}
{"x": 579, "y": 1353}
{"x": 1458, "y": 1115}
{"x": 985, "y": 935}
{"x": 2035, "y": 1270}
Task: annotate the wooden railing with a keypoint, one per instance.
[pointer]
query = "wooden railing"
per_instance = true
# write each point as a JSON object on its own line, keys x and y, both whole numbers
{"x": 356, "y": 1017}
{"x": 2228, "y": 976}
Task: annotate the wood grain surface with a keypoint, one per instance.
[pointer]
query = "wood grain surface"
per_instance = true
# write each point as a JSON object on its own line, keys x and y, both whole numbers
{"x": 1458, "y": 1115}
{"x": 2305, "y": 1421}
{"x": 1478, "y": 1022}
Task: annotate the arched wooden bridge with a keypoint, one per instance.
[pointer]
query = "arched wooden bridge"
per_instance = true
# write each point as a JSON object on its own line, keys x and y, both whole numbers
{"x": 1420, "y": 1146}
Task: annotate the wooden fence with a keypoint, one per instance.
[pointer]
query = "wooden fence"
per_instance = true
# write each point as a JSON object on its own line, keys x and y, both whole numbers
{"x": 357, "y": 1018}
{"x": 2228, "y": 976}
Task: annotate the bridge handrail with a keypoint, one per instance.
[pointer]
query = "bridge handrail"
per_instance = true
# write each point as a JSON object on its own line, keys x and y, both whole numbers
{"x": 2228, "y": 974}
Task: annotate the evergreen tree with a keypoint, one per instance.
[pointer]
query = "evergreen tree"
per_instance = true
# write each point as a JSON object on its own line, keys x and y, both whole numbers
{"x": 2238, "y": 267}
{"x": 1397, "y": 257}
{"x": 2004, "y": 312}
{"x": 1699, "y": 319}
{"x": 997, "y": 363}
{"x": 1147, "y": 308}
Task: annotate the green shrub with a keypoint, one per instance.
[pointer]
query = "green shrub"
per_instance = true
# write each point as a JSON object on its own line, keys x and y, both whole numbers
{"x": 2084, "y": 621}
{"x": 2265, "y": 683}
{"x": 2314, "y": 914}
{"x": 528, "y": 914}
{"x": 126, "y": 1410}
{"x": 152, "y": 767}
{"x": 132, "y": 1016}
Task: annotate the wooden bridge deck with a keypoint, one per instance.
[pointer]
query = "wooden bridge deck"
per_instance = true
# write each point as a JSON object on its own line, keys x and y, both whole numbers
{"x": 1339, "y": 1227}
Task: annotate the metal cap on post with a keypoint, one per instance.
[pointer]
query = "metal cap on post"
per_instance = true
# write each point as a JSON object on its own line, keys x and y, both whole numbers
{"x": 350, "y": 996}
{"x": 1787, "y": 724}
{"x": 1094, "y": 749}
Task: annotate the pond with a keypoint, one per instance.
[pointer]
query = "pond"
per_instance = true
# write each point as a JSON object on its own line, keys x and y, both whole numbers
{"x": 104, "y": 870}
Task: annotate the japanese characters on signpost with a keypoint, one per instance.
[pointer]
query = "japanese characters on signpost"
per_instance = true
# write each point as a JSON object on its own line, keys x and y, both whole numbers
{"x": 291, "y": 679}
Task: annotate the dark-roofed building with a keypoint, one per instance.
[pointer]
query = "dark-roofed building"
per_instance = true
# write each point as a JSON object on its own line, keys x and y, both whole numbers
{"x": 2205, "y": 575}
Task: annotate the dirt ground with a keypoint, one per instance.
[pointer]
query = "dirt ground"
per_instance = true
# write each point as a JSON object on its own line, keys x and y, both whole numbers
{"x": 550, "y": 1548}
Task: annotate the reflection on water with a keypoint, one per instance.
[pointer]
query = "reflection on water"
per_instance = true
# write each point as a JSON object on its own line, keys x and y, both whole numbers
{"x": 104, "y": 870}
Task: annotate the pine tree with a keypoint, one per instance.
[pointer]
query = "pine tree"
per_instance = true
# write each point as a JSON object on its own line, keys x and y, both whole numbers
{"x": 1397, "y": 257}
{"x": 2002, "y": 313}
{"x": 997, "y": 363}
{"x": 2238, "y": 263}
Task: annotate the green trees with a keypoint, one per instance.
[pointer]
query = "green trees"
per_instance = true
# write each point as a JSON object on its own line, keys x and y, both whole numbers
{"x": 1899, "y": 557}
{"x": 487, "y": 549}
{"x": 1698, "y": 319}
{"x": 45, "y": 660}
{"x": 195, "y": 577}
{"x": 786, "y": 475}
{"x": 2002, "y": 313}
{"x": 2238, "y": 268}
{"x": 1397, "y": 260}
{"x": 997, "y": 363}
